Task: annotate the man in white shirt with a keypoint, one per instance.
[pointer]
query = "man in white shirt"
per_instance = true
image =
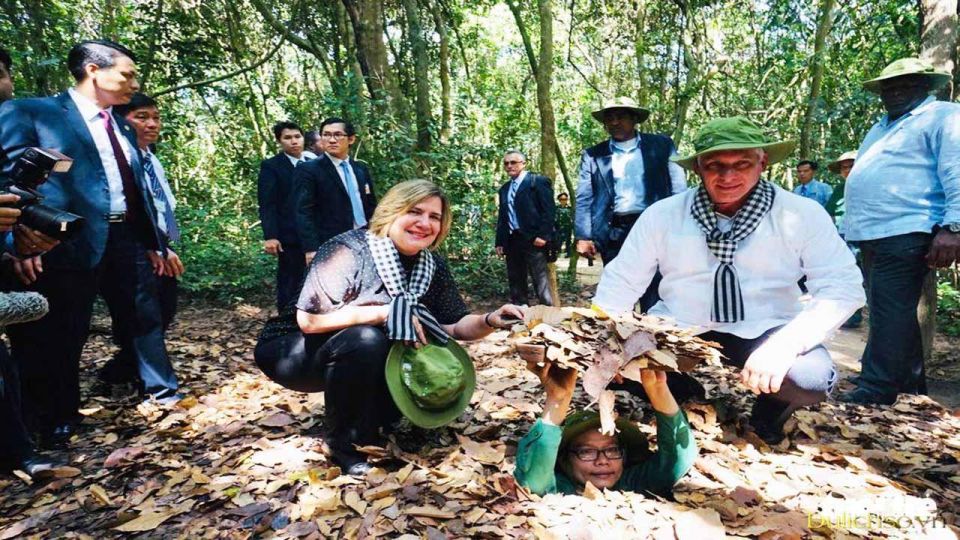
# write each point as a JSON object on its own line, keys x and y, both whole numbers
{"x": 142, "y": 113}
{"x": 731, "y": 253}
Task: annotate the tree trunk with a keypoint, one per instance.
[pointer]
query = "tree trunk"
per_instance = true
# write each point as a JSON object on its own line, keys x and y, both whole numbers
{"x": 421, "y": 68}
{"x": 366, "y": 17}
{"x": 824, "y": 21}
{"x": 543, "y": 74}
{"x": 938, "y": 37}
{"x": 446, "y": 110}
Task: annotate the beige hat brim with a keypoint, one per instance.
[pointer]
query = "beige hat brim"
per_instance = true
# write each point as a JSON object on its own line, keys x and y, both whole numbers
{"x": 777, "y": 151}
{"x": 939, "y": 80}
{"x": 642, "y": 114}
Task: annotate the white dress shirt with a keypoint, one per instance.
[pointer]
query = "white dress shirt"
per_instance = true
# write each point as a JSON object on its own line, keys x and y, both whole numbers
{"x": 795, "y": 239}
{"x": 296, "y": 161}
{"x": 90, "y": 113}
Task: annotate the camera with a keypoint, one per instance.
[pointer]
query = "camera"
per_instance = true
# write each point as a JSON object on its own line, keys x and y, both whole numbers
{"x": 32, "y": 169}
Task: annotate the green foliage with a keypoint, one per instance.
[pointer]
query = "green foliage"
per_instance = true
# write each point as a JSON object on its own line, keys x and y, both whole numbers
{"x": 948, "y": 308}
{"x": 685, "y": 61}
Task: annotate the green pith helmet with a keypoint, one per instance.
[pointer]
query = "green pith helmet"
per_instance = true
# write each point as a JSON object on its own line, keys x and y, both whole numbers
{"x": 908, "y": 66}
{"x": 431, "y": 385}
{"x": 621, "y": 102}
{"x": 834, "y": 166}
{"x": 634, "y": 442}
{"x": 734, "y": 133}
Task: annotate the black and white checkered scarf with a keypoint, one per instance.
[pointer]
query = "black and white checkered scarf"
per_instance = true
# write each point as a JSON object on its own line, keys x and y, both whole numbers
{"x": 405, "y": 294}
{"x": 727, "y": 296}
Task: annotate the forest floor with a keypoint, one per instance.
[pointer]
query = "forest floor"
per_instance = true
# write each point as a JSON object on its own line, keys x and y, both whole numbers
{"x": 240, "y": 458}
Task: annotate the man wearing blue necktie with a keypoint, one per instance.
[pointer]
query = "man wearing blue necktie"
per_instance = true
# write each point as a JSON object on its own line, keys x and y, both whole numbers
{"x": 334, "y": 193}
{"x": 810, "y": 187}
{"x": 143, "y": 115}
{"x": 524, "y": 227}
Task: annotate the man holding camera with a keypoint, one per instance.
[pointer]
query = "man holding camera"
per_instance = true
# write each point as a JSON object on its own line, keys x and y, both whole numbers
{"x": 16, "y": 448}
{"x": 107, "y": 187}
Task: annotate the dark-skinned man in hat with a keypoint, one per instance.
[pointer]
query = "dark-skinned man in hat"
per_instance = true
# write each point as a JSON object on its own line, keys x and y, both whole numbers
{"x": 619, "y": 178}
{"x": 903, "y": 211}
{"x": 730, "y": 253}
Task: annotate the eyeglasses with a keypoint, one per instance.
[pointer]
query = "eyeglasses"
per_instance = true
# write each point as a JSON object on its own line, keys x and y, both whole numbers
{"x": 512, "y": 162}
{"x": 591, "y": 454}
{"x": 334, "y": 136}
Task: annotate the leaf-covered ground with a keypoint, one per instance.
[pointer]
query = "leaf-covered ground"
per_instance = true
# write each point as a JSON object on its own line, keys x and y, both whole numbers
{"x": 241, "y": 458}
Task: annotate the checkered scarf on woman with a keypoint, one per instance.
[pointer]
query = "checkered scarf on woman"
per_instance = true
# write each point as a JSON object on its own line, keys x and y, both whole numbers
{"x": 727, "y": 296}
{"x": 405, "y": 303}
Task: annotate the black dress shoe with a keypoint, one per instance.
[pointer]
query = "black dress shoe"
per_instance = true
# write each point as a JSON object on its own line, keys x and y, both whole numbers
{"x": 39, "y": 467}
{"x": 57, "y": 438}
{"x": 865, "y": 397}
{"x": 359, "y": 469}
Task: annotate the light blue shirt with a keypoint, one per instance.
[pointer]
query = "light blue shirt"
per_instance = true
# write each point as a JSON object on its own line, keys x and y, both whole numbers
{"x": 627, "y": 169}
{"x": 815, "y": 190}
{"x": 511, "y": 211}
{"x": 907, "y": 174}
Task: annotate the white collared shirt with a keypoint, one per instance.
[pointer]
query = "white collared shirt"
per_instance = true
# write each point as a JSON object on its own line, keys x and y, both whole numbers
{"x": 161, "y": 205}
{"x": 305, "y": 156}
{"x": 90, "y": 113}
{"x": 795, "y": 239}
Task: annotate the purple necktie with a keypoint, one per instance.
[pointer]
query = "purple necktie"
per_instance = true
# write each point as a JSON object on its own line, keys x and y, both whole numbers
{"x": 130, "y": 191}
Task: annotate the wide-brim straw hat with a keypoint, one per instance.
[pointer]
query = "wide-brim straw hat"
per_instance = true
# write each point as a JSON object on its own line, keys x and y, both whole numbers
{"x": 834, "y": 165}
{"x": 622, "y": 102}
{"x": 734, "y": 133}
{"x": 908, "y": 66}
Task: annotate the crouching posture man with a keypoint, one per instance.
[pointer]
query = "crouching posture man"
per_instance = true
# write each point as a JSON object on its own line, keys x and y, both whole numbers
{"x": 731, "y": 252}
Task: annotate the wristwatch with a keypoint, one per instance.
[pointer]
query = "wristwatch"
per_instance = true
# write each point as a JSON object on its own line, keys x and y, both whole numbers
{"x": 952, "y": 227}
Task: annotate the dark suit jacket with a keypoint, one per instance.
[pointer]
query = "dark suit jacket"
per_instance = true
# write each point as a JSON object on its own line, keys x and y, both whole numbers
{"x": 323, "y": 206}
{"x": 276, "y": 200}
{"x": 535, "y": 207}
{"x": 55, "y": 122}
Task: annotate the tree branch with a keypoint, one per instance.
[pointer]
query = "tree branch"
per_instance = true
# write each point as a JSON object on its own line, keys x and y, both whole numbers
{"x": 223, "y": 77}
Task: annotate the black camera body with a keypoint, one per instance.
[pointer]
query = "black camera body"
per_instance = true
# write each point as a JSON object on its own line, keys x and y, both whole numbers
{"x": 32, "y": 169}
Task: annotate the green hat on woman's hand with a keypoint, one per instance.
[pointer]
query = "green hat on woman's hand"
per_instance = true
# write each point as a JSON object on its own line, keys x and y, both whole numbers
{"x": 908, "y": 66}
{"x": 734, "y": 133}
{"x": 633, "y": 441}
{"x": 431, "y": 385}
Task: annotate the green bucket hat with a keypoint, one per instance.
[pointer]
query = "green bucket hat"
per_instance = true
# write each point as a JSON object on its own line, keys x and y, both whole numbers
{"x": 734, "y": 133}
{"x": 834, "y": 166}
{"x": 908, "y": 66}
{"x": 621, "y": 102}
{"x": 431, "y": 385}
{"x": 633, "y": 441}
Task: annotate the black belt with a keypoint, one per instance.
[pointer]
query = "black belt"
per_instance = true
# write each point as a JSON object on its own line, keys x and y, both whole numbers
{"x": 624, "y": 220}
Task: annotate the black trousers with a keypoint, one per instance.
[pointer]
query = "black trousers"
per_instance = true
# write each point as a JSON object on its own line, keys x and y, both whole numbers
{"x": 15, "y": 442}
{"x": 122, "y": 368}
{"x": 348, "y": 366}
{"x": 523, "y": 259}
{"x": 619, "y": 229}
{"x": 291, "y": 266}
{"x": 893, "y": 357}
{"x": 47, "y": 351}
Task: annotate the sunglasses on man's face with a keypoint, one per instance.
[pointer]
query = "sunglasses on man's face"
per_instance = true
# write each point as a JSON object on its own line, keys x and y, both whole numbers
{"x": 512, "y": 162}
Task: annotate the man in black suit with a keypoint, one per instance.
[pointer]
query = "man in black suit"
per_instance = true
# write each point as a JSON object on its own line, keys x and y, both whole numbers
{"x": 107, "y": 186}
{"x": 334, "y": 193}
{"x": 524, "y": 227}
{"x": 277, "y": 210}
